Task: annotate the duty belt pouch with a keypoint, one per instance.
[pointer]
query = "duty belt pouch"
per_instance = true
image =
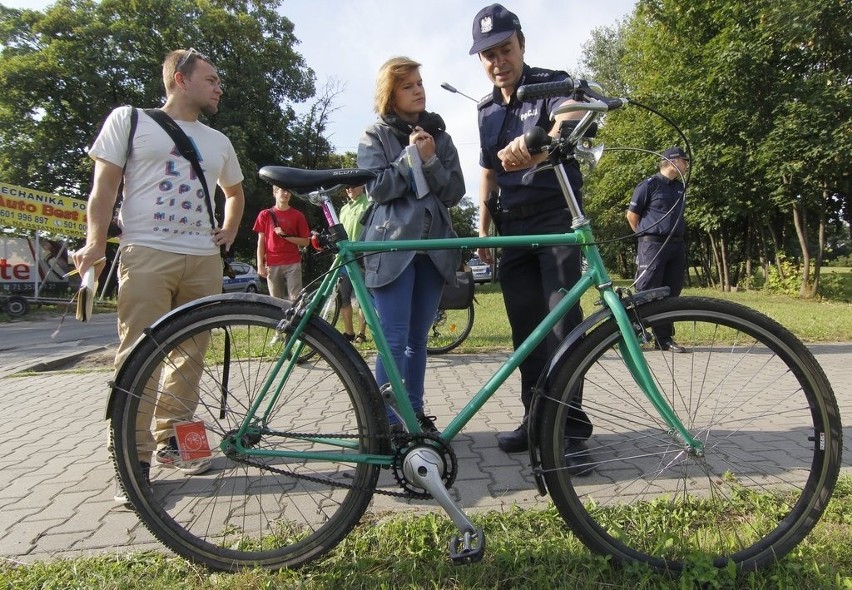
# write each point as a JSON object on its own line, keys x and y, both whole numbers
{"x": 187, "y": 150}
{"x": 492, "y": 203}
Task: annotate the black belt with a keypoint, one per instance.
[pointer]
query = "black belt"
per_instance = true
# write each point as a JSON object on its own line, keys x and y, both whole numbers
{"x": 660, "y": 238}
{"x": 524, "y": 211}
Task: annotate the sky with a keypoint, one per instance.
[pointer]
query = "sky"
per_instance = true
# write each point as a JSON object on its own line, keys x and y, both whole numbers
{"x": 346, "y": 41}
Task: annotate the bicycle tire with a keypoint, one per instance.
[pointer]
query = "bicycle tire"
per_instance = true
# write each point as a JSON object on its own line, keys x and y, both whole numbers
{"x": 240, "y": 515}
{"x": 756, "y": 492}
{"x": 330, "y": 312}
{"x": 450, "y": 328}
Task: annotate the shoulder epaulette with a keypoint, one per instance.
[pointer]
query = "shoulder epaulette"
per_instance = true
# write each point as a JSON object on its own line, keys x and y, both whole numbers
{"x": 485, "y": 101}
{"x": 538, "y": 75}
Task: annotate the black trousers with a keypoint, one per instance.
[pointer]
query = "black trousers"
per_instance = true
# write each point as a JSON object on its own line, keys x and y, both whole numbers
{"x": 661, "y": 265}
{"x": 531, "y": 279}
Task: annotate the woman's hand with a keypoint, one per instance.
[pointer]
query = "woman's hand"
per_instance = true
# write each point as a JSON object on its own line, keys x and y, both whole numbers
{"x": 424, "y": 143}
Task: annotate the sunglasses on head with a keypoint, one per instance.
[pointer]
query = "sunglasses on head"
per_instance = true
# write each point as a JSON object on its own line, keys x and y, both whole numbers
{"x": 187, "y": 54}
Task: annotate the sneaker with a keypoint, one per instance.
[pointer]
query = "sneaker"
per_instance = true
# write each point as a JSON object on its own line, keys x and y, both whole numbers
{"x": 427, "y": 423}
{"x": 120, "y": 495}
{"x": 169, "y": 456}
{"x": 349, "y": 337}
{"x": 360, "y": 338}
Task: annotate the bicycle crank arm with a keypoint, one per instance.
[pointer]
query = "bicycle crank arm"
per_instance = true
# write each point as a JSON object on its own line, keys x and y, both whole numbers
{"x": 423, "y": 467}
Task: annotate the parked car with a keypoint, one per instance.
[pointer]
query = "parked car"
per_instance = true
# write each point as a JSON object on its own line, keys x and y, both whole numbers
{"x": 245, "y": 279}
{"x": 481, "y": 271}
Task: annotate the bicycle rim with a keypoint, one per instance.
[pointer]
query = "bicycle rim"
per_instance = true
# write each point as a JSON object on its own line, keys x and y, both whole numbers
{"x": 450, "y": 329}
{"x": 282, "y": 512}
{"x": 747, "y": 389}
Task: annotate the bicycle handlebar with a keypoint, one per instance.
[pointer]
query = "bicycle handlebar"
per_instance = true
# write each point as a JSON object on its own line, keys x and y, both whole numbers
{"x": 547, "y": 90}
{"x": 567, "y": 87}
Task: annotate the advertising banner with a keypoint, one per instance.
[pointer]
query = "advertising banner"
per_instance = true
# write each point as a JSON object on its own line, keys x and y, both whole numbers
{"x": 25, "y": 208}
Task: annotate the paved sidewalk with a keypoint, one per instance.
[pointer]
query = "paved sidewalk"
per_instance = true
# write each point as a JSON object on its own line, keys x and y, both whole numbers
{"x": 56, "y": 483}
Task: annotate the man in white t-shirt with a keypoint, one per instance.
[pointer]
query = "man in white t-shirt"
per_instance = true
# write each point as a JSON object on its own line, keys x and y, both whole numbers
{"x": 170, "y": 254}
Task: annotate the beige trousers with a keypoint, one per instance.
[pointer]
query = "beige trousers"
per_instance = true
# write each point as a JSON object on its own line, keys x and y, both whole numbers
{"x": 152, "y": 283}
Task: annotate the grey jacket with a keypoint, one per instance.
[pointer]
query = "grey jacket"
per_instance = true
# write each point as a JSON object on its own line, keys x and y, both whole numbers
{"x": 397, "y": 213}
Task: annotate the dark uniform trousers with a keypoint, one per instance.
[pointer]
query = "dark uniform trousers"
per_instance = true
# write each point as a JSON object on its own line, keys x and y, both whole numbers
{"x": 661, "y": 264}
{"x": 531, "y": 279}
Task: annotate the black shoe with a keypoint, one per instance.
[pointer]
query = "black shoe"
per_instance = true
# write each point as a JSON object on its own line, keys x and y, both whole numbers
{"x": 670, "y": 345}
{"x": 427, "y": 423}
{"x": 516, "y": 441}
{"x": 349, "y": 337}
{"x": 578, "y": 460}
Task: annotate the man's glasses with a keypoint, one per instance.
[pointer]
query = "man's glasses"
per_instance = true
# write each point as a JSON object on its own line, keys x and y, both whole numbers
{"x": 187, "y": 54}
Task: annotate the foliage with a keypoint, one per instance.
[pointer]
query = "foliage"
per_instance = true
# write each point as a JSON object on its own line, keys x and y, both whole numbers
{"x": 762, "y": 92}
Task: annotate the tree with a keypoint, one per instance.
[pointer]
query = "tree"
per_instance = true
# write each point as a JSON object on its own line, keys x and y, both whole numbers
{"x": 762, "y": 90}
{"x": 64, "y": 70}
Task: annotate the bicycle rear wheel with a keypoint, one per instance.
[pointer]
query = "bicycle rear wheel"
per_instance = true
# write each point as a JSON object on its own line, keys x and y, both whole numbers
{"x": 747, "y": 389}
{"x": 450, "y": 328}
{"x": 257, "y": 511}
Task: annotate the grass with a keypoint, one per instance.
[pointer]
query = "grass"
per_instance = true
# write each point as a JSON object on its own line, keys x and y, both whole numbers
{"x": 526, "y": 549}
{"x": 811, "y": 320}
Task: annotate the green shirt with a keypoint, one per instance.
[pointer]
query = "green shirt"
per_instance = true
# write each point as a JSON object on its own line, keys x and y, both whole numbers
{"x": 351, "y": 213}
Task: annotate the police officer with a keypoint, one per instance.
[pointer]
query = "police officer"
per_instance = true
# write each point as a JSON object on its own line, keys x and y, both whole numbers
{"x": 655, "y": 214}
{"x": 531, "y": 277}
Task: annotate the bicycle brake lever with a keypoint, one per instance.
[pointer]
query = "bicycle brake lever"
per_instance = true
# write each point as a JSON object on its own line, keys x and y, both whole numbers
{"x": 546, "y": 165}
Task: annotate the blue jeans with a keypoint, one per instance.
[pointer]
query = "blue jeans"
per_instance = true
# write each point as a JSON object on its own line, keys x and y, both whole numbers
{"x": 407, "y": 308}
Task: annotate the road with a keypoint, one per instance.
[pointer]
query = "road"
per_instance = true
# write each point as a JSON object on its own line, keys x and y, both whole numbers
{"x": 37, "y": 343}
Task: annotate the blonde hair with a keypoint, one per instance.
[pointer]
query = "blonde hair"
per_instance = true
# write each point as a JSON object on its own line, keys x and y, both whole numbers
{"x": 391, "y": 72}
{"x": 170, "y": 65}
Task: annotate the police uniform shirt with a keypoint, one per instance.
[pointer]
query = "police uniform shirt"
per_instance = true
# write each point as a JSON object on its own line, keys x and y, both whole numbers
{"x": 500, "y": 123}
{"x": 659, "y": 203}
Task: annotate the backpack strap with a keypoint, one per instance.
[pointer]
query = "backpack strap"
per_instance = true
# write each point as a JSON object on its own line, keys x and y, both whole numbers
{"x": 187, "y": 150}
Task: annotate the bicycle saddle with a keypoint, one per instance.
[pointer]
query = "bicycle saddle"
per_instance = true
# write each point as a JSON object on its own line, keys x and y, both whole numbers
{"x": 300, "y": 180}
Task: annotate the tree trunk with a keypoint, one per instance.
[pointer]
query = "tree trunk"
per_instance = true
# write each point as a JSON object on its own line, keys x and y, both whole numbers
{"x": 826, "y": 196}
{"x": 749, "y": 247}
{"x": 723, "y": 255}
{"x": 800, "y": 219}
{"x": 717, "y": 261}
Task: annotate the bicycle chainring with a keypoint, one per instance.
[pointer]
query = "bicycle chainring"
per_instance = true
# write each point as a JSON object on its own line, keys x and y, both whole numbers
{"x": 413, "y": 441}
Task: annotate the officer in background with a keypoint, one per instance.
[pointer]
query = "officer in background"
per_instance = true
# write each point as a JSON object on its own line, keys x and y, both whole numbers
{"x": 531, "y": 277}
{"x": 655, "y": 215}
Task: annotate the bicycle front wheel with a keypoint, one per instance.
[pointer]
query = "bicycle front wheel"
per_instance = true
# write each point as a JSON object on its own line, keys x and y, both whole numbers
{"x": 450, "y": 328}
{"x": 248, "y": 510}
{"x": 746, "y": 388}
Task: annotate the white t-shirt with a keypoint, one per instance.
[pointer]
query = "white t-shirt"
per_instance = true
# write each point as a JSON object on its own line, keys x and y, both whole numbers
{"x": 164, "y": 205}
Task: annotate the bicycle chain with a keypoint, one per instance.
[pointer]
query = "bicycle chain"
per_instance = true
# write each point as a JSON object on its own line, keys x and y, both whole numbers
{"x": 398, "y": 456}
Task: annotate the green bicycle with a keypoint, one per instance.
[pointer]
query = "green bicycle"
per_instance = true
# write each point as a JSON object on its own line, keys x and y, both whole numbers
{"x": 680, "y": 464}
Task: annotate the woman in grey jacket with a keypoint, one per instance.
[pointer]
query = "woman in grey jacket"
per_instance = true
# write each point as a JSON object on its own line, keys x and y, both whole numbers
{"x": 418, "y": 179}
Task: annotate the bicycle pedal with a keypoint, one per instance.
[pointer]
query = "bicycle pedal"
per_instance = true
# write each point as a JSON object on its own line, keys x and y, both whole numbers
{"x": 467, "y": 549}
